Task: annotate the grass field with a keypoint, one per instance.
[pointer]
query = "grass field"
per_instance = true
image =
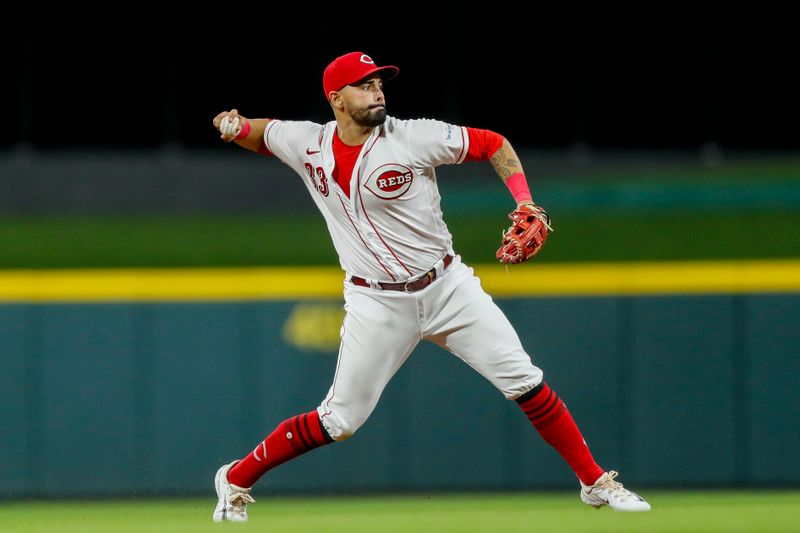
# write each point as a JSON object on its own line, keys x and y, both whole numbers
{"x": 727, "y": 511}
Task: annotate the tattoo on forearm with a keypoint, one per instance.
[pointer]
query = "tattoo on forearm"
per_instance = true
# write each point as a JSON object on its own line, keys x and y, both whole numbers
{"x": 504, "y": 163}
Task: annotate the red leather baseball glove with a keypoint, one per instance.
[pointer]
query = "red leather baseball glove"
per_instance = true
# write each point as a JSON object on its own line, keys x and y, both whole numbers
{"x": 526, "y": 236}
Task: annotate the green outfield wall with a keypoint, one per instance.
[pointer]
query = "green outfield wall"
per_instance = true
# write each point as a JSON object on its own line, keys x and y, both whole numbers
{"x": 170, "y": 241}
{"x": 141, "y": 395}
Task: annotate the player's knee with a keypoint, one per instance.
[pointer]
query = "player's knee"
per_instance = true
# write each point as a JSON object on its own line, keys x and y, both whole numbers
{"x": 526, "y": 381}
{"x": 344, "y": 431}
{"x": 341, "y": 428}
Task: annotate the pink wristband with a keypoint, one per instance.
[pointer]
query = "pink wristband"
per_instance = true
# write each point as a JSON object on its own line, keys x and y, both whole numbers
{"x": 245, "y": 131}
{"x": 518, "y": 186}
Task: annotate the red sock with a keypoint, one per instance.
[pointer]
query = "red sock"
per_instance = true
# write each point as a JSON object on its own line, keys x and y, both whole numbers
{"x": 292, "y": 438}
{"x": 550, "y": 417}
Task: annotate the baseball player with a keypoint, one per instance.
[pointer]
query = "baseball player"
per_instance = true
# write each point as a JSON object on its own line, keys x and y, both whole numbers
{"x": 373, "y": 179}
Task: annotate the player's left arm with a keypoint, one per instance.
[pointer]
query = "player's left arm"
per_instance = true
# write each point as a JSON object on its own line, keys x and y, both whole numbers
{"x": 531, "y": 223}
{"x": 506, "y": 163}
{"x": 439, "y": 143}
{"x": 486, "y": 145}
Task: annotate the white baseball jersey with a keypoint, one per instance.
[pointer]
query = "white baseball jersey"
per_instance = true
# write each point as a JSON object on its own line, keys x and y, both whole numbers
{"x": 391, "y": 227}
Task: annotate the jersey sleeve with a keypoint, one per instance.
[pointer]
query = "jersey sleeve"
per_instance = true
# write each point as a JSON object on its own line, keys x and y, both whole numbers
{"x": 288, "y": 139}
{"x": 435, "y": 143}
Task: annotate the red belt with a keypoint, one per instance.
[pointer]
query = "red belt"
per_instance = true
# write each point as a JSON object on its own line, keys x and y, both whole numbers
{"x": 407, "y": 286}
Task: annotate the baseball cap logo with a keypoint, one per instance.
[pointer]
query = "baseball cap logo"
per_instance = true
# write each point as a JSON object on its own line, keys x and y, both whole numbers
{"x": 350, "y": 68}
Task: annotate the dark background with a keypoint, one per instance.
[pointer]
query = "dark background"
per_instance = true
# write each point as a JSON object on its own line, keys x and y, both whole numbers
{"x": 565, "y": 74}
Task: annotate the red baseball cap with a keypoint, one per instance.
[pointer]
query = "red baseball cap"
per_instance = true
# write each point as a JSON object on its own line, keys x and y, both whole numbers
{"x": 349, "y": 68}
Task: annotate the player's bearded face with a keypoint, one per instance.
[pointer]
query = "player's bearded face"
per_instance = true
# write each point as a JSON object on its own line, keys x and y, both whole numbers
{"x": 369, "y": 116}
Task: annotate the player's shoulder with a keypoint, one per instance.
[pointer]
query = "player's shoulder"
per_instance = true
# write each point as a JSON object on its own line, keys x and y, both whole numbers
{"x": 299, "y": 125}
{"x": 292, "y": 131}
{"x": 421, "y": 130}
{"x": 404, "y": 123}
{"x": 394, "y": 125}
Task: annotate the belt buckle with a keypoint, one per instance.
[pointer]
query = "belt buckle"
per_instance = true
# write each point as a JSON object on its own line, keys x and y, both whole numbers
{"x": 405, "y": 286}
{"x": 430, "y": 274}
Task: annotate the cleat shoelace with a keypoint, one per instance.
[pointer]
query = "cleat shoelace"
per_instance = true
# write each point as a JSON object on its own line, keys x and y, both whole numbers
{"x": 614, "y": 487}
{"x": 240, "y": 499}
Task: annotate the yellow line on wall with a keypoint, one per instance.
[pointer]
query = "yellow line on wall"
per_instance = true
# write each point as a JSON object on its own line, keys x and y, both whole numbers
{"x": 696, "y": 277}
{"x": 276, "y": 283}
{"x": 170, "y": 284}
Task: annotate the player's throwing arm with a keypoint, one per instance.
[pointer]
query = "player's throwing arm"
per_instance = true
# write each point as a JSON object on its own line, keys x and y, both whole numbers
{"x": 246, "y": 132}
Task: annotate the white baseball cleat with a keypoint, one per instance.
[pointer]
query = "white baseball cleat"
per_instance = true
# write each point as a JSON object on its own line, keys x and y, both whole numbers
{"x": 233, "y": 500}
{"x": 606, "y": 491}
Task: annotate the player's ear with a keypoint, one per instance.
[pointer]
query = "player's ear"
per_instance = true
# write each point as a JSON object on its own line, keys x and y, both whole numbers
{"x": 336, "y": 100}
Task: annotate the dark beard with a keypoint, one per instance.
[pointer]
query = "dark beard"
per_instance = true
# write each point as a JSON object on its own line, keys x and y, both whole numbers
{"x": 368, "y": 118}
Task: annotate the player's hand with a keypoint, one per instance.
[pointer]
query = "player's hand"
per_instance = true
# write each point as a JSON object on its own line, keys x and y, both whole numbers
{"x": 527, "y": 234}
{"x": 229, "y": 124}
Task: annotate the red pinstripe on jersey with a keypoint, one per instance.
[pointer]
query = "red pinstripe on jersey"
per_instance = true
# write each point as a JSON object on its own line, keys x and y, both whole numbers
{"x": 362, "y": 240}
{"x": 335, "y": 375}
{"x": 266, "y": 134}
{"x": 463, "y": 143}
{"x": 361, "y": 200}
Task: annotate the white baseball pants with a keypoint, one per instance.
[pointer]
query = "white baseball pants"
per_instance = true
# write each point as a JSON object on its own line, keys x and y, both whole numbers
{"x": 381, "y": 328}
